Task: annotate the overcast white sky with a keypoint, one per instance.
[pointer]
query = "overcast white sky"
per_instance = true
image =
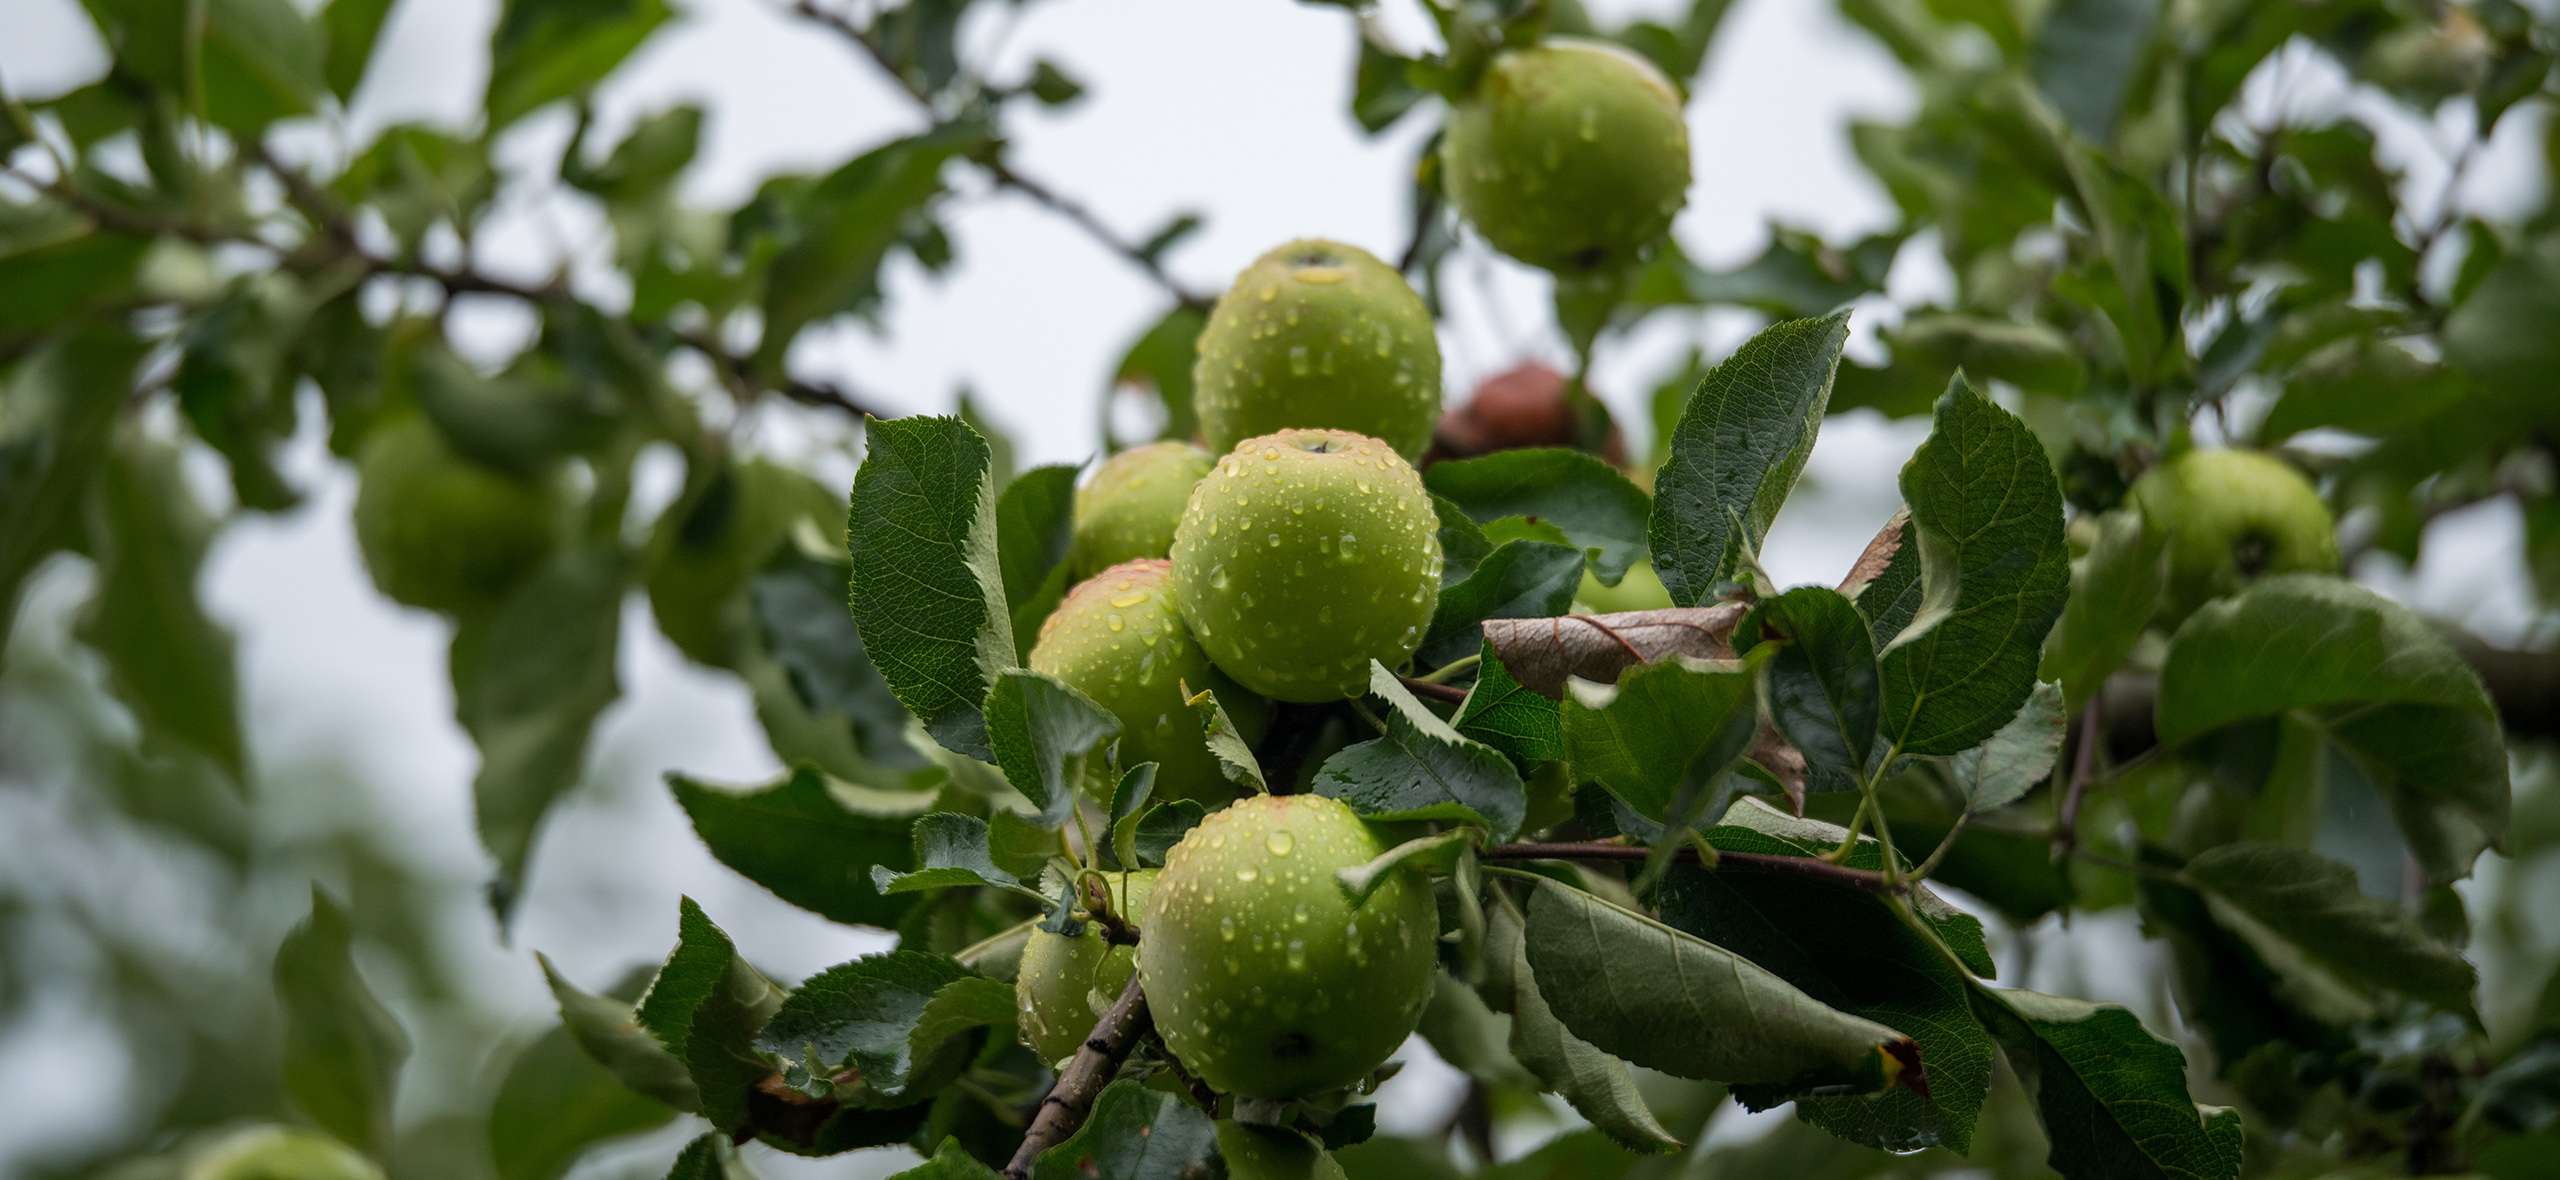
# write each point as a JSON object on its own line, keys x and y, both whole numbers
{"x": 1235, "y": 109}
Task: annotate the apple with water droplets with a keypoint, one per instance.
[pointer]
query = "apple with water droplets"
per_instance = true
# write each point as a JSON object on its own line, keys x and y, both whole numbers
{"x": 1264, "y": 978}
{"x": 2233, "y": 516}
{"x": 1118, "y": 638}
{"x": 1305, "y": 555}
{"x": 1130, "y": 508}
{"x": 1319, "y": 334}
{"x": 1572, "y": 155}
{"x": 1062, "y": 975}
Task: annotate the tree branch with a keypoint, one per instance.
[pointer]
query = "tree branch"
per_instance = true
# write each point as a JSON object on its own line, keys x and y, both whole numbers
{"x": 1071, "y": 1100}
{"x": 1758, "y": 862}
{"x": 1003, "y": 174}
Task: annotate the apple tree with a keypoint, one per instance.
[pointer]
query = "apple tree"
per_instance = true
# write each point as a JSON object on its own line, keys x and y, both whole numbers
{"x": 1194, "y": 785}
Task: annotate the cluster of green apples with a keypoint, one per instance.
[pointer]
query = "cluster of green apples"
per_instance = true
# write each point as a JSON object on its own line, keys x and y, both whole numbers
{"x": 1275, "y": 567}
{"x": 1279, "y": 561}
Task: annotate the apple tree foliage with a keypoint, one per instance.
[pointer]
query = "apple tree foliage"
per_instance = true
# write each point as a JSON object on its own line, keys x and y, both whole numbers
{"x": 1679, "y": 855}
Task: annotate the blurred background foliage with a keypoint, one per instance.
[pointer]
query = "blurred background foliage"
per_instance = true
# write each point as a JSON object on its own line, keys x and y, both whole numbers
{"x": 2149, "y": 242}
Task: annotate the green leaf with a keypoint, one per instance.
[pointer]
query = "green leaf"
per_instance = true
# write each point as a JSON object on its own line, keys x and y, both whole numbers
{"x": 1462, "y": 542}
{"x": 1134, "y": 1133}
{"x": 950, "y": 849}
{"x": 556, "y": 1103}
{"x": 1422, "y": 769}
{"x": 171, "y": 663}
{"x": 799, "y": 839}
{"x": 706, "y": 1007}
{"x": 610, "y": 1032}
{"x": 928, "y": 595}
{"x": 546, "y": 50}
{"x": 1467, "y": 1033}
{"x": 529, "y": 680}
{"x": 1752, "y": 825}
{"x": 2302, "y": 641}
{"x": 2379, "y": 683}
{"x": 707, "y": 1156}
{"x": 886, "y": 1016}
{"x": 1846, "y": 948}
{"x": 1032, "y": 527}
{"x": 1598, "y": 508}
{"x": 1164, "y": 826}
{"x": 235, "y": 383}
{"x": 1741, "y": 443}
{"x": 850, "y": 219}
{"x": 1663, "y": 727}
{"x": 2314, "y": 904}
{"x": 1227, "y": 744}
{"x": 799, "y": 604}
{"x": 2112, "y": 1097}
{"x": 1890, "y": 593}
{"x": 951, "y": 1162}
{"x": 2014, "y": 760}
{"x": 1050, "y": 739}
{"x": 1988, "y": 516}
{"x": 2497, "y": 334}
{"x": 2115, "y": 590}
{"x": 1253, "y": 1151}
{"x": 342, "y": 1048}
{"x": 1821, "y": 680}
{"x": 1051, "y": 85}
{"x": 644, "y": 167}
{"x": 1440, "y": 851}
{"x": 351, "y": 27}
{"x": 2034, "y": 356}
{"x": 261, "y": 60}
{"x": 1505, "y": 714}
{"x": 60, "y": 433}
{"x": 1798, "y": 275}
{"x": 1520, "y": 579}
{"x": 1666, "y": 1000}
{"x": 2084, "y": 58}
{"x": 1598, "y": 1086}
{"x": 1160, "y": 364}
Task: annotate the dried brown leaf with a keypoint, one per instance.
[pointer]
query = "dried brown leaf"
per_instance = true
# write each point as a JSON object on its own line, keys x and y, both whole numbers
{"x": 1879, "y": 554}
{"x": 1542, "y": 653}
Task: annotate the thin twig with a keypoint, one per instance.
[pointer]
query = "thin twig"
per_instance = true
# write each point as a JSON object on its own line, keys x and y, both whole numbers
{"x": 2084, "y": 766}
{"x": 1803, "y": 866}
{"x": 1940, "y": 853}
{"x": 1002, "y": 174}
{"x": 1438, "y": 692}
{"x": 1071, "y": 1100}
{"x": 1084, "y": 218}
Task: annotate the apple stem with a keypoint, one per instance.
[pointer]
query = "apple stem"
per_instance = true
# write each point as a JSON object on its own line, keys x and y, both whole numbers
{"x": 1071, "y": 1100}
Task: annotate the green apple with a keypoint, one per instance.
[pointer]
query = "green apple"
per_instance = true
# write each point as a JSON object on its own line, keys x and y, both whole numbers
{"x": 698, "y": 590}
{"x": 442, "y": 532}
{"x": 1063, "y": 979}
{"x": 1118, "y": 638}
{"x": 1129, "y": 510}
{"x": 1572, "y": 155}
{"x": 1305, "y": 555}
{"x": 2233, "y": 517}
{"x": 1319, "y": 334}
{"x": 278, "y": 1153}
{"x": 1264, "y": 979}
